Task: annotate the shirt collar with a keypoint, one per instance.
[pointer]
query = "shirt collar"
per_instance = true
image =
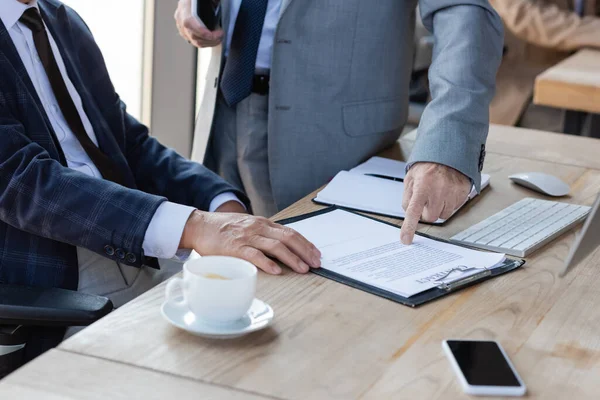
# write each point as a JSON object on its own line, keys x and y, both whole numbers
{"x": 12, "y": 10}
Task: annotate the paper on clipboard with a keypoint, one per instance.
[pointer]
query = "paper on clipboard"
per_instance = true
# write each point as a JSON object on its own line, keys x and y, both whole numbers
{"x": 369, "y": 251}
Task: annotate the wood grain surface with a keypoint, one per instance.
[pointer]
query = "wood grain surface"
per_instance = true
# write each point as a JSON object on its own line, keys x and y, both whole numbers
{"x": 330, "y": 341}
{"x": 573, "y": 84}
{"x": 59, "y": 375}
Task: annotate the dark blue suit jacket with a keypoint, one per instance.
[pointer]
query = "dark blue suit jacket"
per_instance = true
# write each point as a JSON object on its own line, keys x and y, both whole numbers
{"x": 46, "y": 209}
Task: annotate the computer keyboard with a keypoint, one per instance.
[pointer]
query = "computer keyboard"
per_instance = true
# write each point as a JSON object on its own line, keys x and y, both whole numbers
{"x": 525, "y": 226}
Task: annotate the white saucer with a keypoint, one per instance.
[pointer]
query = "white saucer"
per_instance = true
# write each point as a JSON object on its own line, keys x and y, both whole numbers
{"x": 258, "y": 317}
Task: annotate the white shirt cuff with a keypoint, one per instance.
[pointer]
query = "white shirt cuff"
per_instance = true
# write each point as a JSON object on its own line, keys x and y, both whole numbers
{"x": 164, "y": 232}
{"x": 221, "y": 199}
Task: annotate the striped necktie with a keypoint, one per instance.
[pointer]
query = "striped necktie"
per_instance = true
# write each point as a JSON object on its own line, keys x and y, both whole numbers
{"x": 238, "y": 74}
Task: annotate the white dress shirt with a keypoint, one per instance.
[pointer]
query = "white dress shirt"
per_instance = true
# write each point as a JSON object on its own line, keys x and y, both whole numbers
{"x": 263, "y": 58}
{"x": 166, "y": 227}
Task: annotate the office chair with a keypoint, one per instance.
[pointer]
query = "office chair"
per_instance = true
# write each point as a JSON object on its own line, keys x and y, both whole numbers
{"x": 33, "y": 320}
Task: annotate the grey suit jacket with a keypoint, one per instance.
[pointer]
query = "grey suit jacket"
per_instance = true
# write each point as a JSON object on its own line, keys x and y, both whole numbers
{"x": 339, "y": 87}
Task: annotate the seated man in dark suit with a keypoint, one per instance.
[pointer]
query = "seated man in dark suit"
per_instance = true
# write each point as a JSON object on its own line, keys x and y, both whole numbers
{"x": 88, "y": 200}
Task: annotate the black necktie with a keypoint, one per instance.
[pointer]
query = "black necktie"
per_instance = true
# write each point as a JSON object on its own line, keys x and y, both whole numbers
{"x": 238, "y": 74}
{"x": 32, "y": 19}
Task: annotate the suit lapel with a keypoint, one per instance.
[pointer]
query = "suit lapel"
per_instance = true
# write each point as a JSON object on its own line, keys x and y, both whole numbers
{"x": 9, "y": 51}
{"x": 284, "y": 6}
{"x": 60, "y": 27}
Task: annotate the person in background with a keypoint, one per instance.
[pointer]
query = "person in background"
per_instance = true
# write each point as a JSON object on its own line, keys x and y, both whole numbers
{"x": 556, "y": 25}
{"x": 539, "y": 34}
{"x": 302, "y": 89}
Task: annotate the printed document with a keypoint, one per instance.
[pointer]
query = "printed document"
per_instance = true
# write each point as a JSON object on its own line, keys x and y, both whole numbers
{"x": 371, "y": 252}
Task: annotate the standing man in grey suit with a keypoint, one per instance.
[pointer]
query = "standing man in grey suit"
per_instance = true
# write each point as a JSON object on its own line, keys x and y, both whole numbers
{"x": 301, "y": 89}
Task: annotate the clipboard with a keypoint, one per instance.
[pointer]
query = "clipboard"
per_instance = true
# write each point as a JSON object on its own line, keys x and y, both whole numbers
{"x": 452, "y": 282}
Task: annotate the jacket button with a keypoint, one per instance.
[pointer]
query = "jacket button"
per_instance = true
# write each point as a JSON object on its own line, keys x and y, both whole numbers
{"x": 109, "y": 250}
{"x": 120, "y": 254}
{"x": 130, "y": 258}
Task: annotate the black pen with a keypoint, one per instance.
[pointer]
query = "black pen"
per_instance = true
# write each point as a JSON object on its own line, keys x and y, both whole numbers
{"x": 391, "y": 178}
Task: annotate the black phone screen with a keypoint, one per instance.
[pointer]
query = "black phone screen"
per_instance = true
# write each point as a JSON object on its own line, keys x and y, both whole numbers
{"x": 209, "y": 11}
{"x": 482, "y": 363}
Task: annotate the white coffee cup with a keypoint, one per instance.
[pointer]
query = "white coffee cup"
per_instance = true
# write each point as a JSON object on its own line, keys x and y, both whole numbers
{"x": 208, "y": 296}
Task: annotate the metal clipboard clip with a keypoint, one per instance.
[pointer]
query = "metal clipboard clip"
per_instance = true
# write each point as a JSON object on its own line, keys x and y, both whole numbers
{"x": 447, "y": 284}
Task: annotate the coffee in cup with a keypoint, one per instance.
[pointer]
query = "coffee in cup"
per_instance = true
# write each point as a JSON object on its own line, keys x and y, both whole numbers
{"x": 216, "y": 289}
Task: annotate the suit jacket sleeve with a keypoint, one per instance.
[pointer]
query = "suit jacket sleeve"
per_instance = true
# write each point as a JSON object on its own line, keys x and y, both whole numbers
{"x": 156, "y": 168}
{"x": 466, "y": 55}
{"x": 547, "y": 25}
{"x": 160, "y": 170}
{"x": 43, "y": 197}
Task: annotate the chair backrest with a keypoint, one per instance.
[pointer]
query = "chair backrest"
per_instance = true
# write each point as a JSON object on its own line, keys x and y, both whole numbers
{"x": 13, "y": 339}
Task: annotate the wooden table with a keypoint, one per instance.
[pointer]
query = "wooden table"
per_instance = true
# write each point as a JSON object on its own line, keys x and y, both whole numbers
{"x": 573, "y": 85}
{"x": 64, "y": 375}
{"x": 333, "y": 342}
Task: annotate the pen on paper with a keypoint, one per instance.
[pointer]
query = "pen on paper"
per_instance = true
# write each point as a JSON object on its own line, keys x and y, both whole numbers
{"x": 391, "y": 178}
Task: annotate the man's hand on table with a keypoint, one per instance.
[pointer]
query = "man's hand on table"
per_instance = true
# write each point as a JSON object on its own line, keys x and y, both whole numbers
{"x": 255, "y": 239}
{"x": 431, "y": 191}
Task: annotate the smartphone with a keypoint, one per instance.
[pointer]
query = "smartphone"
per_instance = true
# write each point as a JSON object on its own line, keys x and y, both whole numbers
{"x": 208, "y": 13}
{"x": 483, "y": 368}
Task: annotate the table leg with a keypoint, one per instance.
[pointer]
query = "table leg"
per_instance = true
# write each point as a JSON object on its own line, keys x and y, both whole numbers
{"x": 573, "y": 122}
{"x": 594, "y": 125}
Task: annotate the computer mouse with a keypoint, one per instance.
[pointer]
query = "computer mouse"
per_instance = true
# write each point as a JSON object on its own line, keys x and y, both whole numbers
{"x": 542, "y": 183}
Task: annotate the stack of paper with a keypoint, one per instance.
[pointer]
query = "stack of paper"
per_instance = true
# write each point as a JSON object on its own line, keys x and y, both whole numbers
{"x": 375, "y": 186}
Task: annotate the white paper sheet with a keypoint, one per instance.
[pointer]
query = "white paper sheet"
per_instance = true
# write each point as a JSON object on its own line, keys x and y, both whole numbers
{"x": 354, "y": 189}
{"x": 382, "y": 166}
{"x": 370, "y": 251}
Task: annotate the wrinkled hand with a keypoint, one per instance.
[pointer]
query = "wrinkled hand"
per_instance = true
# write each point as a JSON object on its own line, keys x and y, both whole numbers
{"x": 431, "y": 191}
{"x": 250, "y": 238}
{"x": 191, "y": 30}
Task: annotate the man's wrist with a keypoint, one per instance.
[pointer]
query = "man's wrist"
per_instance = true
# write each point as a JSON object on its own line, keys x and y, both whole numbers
{"x": 192, "y": 230}
{"x": 232, "y": 206}
{"x": 164, "y": 232}
{"x": 223, "y": 198}
{"x": 436, "y": 165}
